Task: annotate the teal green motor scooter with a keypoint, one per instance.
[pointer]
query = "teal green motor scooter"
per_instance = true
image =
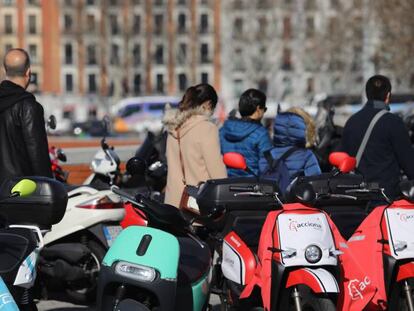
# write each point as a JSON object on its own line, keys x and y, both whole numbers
{"x": 161, "y": 267}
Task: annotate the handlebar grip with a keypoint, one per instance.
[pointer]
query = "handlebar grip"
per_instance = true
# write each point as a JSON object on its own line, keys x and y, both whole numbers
{"x": 240, "y": 188}
{"x": 124, "y": 194}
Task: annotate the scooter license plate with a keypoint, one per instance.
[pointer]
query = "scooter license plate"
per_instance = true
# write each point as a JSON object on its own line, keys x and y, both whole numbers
{"x": 111, "y": 233}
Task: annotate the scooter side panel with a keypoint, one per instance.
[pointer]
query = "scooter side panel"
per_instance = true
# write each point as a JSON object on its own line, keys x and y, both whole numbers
{"x": 200, "y": 293}
{"x": 162, "y": 252}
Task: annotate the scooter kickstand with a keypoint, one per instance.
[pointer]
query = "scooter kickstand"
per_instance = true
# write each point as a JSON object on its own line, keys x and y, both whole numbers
{"x": 407, "y": 291}
{"x": 296, "y": 299}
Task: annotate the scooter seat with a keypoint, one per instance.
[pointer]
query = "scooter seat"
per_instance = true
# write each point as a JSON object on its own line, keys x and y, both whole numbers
{"x": 194, "y": 261}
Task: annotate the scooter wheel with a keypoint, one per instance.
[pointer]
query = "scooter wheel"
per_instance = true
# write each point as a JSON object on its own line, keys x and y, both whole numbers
{"x": 315, "y": 303}
{"x": 85, "y": 291}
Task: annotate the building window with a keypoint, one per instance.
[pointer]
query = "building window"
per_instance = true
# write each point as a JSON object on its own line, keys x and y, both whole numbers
{"x": 68, "y": 54}
{"x": 137, "y": 54}
{"x": 90, "y": 2}
{"x": 262, "y": 85}
{"x": 8, "y": 2}
{"x": 67, "y": 22}
{"x": 158, "y": 24}
{"x": 238, "y": 27}
{"x": 113, "y": 2}
{"x": 8, "y": 47}
{"x": 136, "y": 2}
{"x": 310, "y": 86}
{"x": 182, "y": 82}
{"x": 113, "y": 21}
{"x": 136, "y": 24}
{"x": 310, "y": 5}
{"x": 158, "y": 2}
{"x": 114, "y": 54}
{"x": 92, "y": 88}
{"x": 32, "y": 2}
{"x": 33, "y": 53}
{"x": 287, "y": 59}
{"x": 262, "y": 27}
{"x": 69, "y": 82}
{"x": 287, "y": 27}
{"x": 160, "y": 83}
{"x": 159, "y": 54}
{"x": 204, "y": 58}
{"x": 182, "y": 53}
{"x": 90, "y": 22}
{"x": 238, "y": 87}
{"x": 203, "y": 23}
{"x": 182, "y": 25}
{"x": 68, "y": 2}
{"x": 182, "y": 2}
{"x": 32, "y": 24}
{"x": 310, "y": 27}
{"x": 34, "y": 78}
{"x": 91, "y": 55}
{"x": 137, "y": 84}
{"x": 335, "y": 4}
{"x": 8, "y": 24}
{"x": 204, "y": 77}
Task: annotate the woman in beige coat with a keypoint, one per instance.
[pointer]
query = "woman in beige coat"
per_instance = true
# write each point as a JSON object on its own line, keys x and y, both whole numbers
{"x": 190, "y": 130}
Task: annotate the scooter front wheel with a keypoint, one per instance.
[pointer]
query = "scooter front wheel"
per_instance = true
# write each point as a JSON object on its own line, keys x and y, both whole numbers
{"x": 314, "y": 303}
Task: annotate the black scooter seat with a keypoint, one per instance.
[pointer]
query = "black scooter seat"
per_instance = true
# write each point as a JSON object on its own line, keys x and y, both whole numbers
{"x": 194, "y": 261}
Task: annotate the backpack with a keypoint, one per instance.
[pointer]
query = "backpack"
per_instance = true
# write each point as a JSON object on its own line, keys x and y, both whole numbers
{"x": 277, "y": 170}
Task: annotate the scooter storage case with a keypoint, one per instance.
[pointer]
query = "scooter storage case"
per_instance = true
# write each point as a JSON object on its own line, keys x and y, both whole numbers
{"x": 232, "y": 195}
{"x": 45, "y": 207}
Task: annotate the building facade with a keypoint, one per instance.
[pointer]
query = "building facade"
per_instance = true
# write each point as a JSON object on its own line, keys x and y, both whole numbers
{"x": 99, "y": 51}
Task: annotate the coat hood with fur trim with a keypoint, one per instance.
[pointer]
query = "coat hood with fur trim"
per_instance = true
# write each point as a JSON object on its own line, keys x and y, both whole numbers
{"x": 184, "y": 120}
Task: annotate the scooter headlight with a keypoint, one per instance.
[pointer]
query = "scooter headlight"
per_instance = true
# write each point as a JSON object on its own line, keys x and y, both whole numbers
{"x": 136, "y": 272}
{"x": 313, "y": 253}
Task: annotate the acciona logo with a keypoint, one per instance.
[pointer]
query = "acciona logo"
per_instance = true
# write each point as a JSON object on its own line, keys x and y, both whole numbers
{"x": 406, "y": 218}
{"x": 296, "y": 226}
{"x": 356, "y": 288}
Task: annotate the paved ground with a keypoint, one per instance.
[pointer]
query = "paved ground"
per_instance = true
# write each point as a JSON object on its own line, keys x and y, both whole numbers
{"x": 54, "y": 305}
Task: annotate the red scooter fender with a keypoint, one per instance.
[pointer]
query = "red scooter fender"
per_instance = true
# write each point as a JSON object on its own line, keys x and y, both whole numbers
{"x": 318, "y": 280}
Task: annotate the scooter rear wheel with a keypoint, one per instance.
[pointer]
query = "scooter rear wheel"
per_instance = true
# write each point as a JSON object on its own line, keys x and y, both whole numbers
{"x": 85, "y": 292}
{"x": 315, "y": 303}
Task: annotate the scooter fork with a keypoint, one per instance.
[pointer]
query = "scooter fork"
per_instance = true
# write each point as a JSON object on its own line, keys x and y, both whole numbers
{"x": 407, "y": 291}
{"x": 296, "y": 299}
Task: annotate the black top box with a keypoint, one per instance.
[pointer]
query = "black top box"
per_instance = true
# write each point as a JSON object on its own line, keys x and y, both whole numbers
{"x": 45, "y": 207}
{"x": 233, "y": 194}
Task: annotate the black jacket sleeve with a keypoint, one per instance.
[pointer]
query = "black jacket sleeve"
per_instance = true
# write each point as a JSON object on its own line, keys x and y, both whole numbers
{"x": 35, "y": 138}
{"x": 401, "y": 144}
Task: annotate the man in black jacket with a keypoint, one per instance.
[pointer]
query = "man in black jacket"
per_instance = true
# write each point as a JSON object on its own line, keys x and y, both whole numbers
{"x": 388, "y": 150}
{"x": 23, "y": 140}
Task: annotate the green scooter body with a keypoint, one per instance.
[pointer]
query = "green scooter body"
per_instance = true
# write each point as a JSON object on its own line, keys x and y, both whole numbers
{"x": 162, "y": 254}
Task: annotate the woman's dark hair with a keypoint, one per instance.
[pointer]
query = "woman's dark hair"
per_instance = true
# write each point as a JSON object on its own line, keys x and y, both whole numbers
{"x": 378, "y": 87}
{"x": 196, "y": 95}
{"x": 250, "y": 100}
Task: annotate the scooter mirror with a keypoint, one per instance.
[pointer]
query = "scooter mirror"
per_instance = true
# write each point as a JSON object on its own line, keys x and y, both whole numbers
{"x": 51, "y": 122}
{"x": 61, "y": 155}
{"x": 305, "y": 194}
{"x": 235, "y": 160}
{"x": 407, "y": 189}
{"x": 342, "y": 161}
{"x": 136, "y": 166}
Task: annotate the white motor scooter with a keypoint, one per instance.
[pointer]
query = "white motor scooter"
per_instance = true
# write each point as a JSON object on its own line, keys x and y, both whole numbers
{"x": 75, "y": 247}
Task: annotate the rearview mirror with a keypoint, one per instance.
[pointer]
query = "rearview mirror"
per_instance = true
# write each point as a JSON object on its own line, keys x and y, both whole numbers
{"x": 51, "y": 122}
{"x": 344, "y": 162}
{"x": 304, "y": 193}
{"x": 235, "y": 160}
{"x": 407, "y": 189}
{"x": 23, "y": 188}
{"x": 136, "y": 166}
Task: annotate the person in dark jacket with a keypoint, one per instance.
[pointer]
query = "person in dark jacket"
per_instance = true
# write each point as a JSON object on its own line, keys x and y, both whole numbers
{"x": 294, "y": 128}
{"x": 389, "y": 149}
{"x": 23, "y": 140}
{"x": 247, "y": 136}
